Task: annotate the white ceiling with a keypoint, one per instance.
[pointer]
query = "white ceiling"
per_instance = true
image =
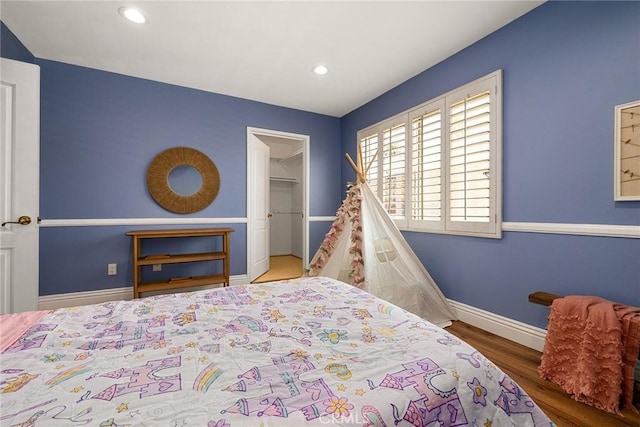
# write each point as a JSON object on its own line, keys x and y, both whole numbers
{"x": 262, "y": 50}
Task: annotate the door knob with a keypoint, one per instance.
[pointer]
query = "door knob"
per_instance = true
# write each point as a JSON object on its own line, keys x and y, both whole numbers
{"x": 269, "y": 215}
{"x": 23, "y": 220}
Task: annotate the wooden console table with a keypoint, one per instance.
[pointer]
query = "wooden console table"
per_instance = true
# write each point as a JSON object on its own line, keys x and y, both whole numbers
{"x": 140, "y": 261}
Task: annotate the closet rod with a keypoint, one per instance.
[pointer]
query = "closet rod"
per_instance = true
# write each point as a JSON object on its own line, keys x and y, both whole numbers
{"x": 283, "y": 179}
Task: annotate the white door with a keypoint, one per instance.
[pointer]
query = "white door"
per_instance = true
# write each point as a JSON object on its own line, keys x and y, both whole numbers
{"x": 19, "y": 185}
{"x": 258, "y": 176}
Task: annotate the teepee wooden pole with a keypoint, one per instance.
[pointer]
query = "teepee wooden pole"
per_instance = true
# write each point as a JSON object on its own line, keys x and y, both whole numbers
{"x": 357, "y": 169}
{"x": 351, "y": 162}
{"x": 373, "y": 159}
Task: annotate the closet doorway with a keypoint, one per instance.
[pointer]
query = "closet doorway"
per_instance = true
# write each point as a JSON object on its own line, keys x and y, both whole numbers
{"x": 277, "y": 188}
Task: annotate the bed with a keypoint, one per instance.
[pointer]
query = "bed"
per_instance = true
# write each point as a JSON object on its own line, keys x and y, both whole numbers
{"x": 290, "y": 353}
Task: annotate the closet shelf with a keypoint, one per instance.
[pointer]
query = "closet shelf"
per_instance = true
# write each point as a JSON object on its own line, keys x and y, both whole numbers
{"x": 291, "y": 156}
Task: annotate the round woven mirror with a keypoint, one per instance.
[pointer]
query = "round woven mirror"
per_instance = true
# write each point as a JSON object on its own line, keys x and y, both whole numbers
{"x": 160, "y": 187}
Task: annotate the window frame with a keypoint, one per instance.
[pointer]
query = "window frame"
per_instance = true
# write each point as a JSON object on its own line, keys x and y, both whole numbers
{"x": 489, "y": 229}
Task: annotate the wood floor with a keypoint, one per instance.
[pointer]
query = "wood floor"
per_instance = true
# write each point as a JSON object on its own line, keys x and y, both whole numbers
{"x": 521, "y": 364}
{"x": 282, "y": 267}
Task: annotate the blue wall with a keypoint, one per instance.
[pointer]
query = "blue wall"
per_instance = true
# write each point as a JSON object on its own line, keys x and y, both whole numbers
{"x": 12, "y": 48}
{"x": 565, "y": 66}
{"x": 100, "y": 130}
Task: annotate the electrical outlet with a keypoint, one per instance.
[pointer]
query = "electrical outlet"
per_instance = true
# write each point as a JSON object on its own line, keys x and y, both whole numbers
{"x": 112, "y": 269}
{"x": 157, "y": 267}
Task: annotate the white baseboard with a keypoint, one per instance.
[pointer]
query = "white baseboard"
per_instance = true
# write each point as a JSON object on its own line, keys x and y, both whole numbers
{"x": 513, "y": 330}
{"x": 510, "y": 329}
{"x": 72, "y": 299}
{"x": 240, "y": 279}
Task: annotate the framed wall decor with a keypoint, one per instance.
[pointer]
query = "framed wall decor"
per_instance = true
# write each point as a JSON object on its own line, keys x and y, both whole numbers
{"x": 177, "y": 198}
{"x": 626, "y": 170}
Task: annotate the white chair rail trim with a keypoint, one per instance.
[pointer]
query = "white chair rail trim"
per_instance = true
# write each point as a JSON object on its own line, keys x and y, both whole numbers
{"x": 602, "y": 230}
{"x": 322, "y": 218}
{"x": 93, "y": 222}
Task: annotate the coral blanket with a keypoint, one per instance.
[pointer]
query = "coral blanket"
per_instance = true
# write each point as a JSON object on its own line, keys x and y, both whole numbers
{"x": 590, "y": 350}
{"x": 13, "y": 326}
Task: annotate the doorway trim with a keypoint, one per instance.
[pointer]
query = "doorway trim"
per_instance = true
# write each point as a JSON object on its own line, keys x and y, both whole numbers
{"x": 305, "y": 140}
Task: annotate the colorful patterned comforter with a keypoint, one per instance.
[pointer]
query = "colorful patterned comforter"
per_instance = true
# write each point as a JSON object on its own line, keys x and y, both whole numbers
{"x": 288, "y": 353}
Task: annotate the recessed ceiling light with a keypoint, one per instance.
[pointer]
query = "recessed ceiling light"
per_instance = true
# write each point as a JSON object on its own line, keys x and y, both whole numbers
{"x": 133, "y": 15}
{"x": 320, "y": 70}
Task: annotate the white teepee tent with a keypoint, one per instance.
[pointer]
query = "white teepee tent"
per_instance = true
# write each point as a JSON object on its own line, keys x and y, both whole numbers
{"x": 365, "y": 248}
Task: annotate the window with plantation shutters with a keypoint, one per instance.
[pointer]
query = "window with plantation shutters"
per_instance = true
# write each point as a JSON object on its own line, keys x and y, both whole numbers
{"x": 439, "y": 164}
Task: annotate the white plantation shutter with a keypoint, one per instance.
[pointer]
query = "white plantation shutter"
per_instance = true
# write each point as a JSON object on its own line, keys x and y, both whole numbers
{"x": 439, "y": 164}
{"x": 393, "y": 159}
{"x": 471, "y": 158}
{"x": 469, "y": 154}
{"x": 427, "y": 210}
{"x": 387, "y": 176}
{"x": 369, "y": 146}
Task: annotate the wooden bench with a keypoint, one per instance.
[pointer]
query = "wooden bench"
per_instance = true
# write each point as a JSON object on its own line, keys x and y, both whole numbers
{"x": 543, "y": 298}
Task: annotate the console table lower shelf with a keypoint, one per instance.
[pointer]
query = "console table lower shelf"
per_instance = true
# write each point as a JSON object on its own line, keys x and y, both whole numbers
{"x": 141, "y": 260}
{"x": 181, "y": 282}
